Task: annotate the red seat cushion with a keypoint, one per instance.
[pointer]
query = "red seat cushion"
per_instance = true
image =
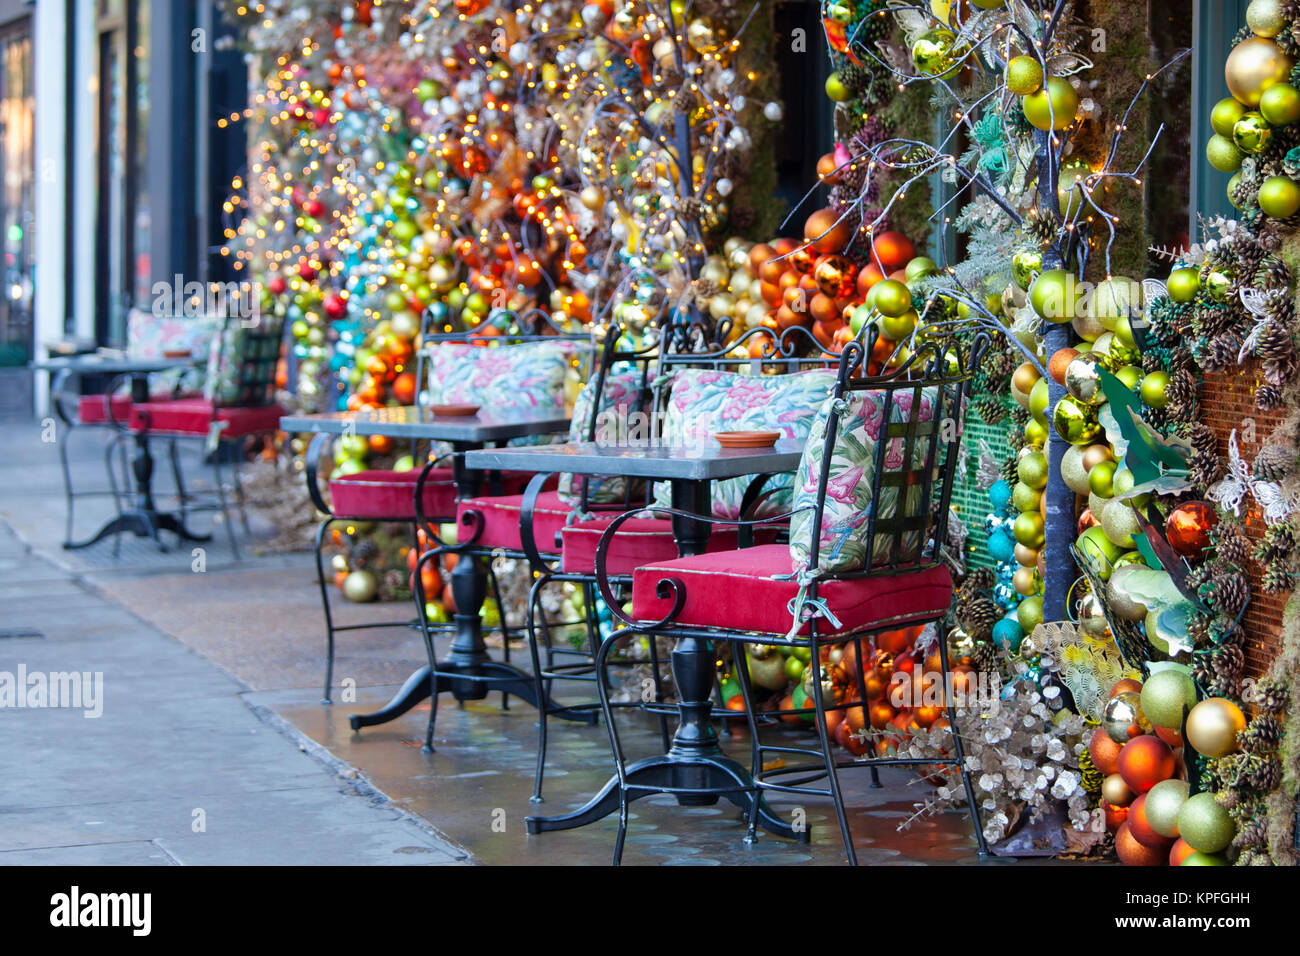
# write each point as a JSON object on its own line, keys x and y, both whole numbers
{"x": 639, "y": 541}
{"x": 370, "y": 495}
{"x": 193, "y": 416}
{"x": 736, "y": 590}
{"x": 93, "y": 409}
{"x": 501, "y": 520}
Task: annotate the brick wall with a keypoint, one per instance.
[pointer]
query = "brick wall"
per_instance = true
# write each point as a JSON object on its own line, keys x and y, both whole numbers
{"x": 1227, "y": 403}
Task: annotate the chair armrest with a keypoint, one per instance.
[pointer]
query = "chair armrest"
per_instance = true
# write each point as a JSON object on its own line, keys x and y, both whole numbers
{"x": 667, "y": 587}
{"x": 527, "y": 538}
{"x": 314, "y": 452}
{"x": 108, "y": 405}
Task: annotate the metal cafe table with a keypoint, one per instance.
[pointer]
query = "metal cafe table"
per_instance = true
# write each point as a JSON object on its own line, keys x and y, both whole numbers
{"x": 143, "y": 517}
{"x": 468, "y": 653}
{"x": 694, "y": 760}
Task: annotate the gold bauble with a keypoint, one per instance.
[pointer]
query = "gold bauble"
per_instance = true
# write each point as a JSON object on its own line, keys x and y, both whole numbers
{"x": 1026, "y": 557}
{"x": 1265, "y": 18}
{"x": 1025, "y": 581}
{"x": 1213, "y": 725}
{"x": 1116, "y": 792}
{"x": 1094, "y": 455}
{"x": 1075, "y": 421}
{"x": 1083, "y": 379}
{"x": 701, "y": 36}
{"x": 961, "y": 646}
{"x": 1025, "y": 377}
{"x": 1092, "y": 617}
{"x": 1074, "y": 471}
{"x": 1253, "y": 66}
{"x": 1122, "y": 720}
{"x": 1087, "y": 325}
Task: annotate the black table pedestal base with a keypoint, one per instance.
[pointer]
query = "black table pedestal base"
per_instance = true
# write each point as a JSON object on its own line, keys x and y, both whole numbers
{"x": 503, "y": 677}
{"x": 142, "y": 524}
{"x": 722, "y": 775}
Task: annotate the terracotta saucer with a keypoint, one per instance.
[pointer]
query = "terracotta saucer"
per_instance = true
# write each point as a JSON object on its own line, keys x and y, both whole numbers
{"x": 454, "y": 411}
{"x": 747, "y": 439}
{"x": 176, "y": 353}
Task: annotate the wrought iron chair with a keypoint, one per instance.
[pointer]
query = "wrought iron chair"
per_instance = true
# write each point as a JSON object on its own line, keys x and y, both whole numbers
{"x": 570, "y": 553}
{"x": 759, "y": 595}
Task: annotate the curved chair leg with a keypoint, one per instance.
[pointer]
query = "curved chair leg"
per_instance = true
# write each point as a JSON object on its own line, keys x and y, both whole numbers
{"x": 828, "y": 755}
{"x": 178, "y": 479}
{"x": 67, "y": 482}
{"x": 325, "y": 604}
{"x": 543, "y": 711}
{"x": 427, "y": 633}
{"x": 755, "y": 749}
{"x": 501, "y": 616}
{"x": 959, "y": 754}
{"x": 240, "y": 498}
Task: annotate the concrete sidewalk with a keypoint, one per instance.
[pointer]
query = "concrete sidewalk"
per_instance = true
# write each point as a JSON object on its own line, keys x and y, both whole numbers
{"x": 179, "y": 768}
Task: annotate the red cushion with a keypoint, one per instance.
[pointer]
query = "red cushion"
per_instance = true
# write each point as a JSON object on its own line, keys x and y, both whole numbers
{"x": 193, "y": 416}
{"x": 93, "y": 409}
{"x": 735, "y": 590}
{"x": 369, "y": 495}
{"x": 639, "y": 541}
{"x": 501, "y": 520}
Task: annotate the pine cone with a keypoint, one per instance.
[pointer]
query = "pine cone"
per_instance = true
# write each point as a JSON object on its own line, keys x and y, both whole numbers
{"x": 1273, "y": 463}
{"x": 985, "y": 658}
{"x": 1227, "y": 593}
{"x": 1232, "y": 545}
{"x": 1215, "y": 320}
{"x": 1261, "y": 734}
{"x": 1181, "y": 389}
{"x": 1011, "y": 470}
{"x": 978, "y": 617}
{"x": 1223, "y": 685}
{"x": 1270, "y": 695}
{"x": 1198, "y": 630}
{"x": 979, "y": 581}
{"x": 1282, "y": 370}
{"x": 1269, "y": 397}
{"x": 990, "y": 410}
{"x": 1262, "y": 773}
{"x": 364, "y": 552}
{"x": 1223, "y": 350}
{"x": 1205, "y": 469}
{"x": 1252, "y": 834}
{"x": 1202, "y": 669}
{"x": 1275, "y": 580}
{"x": 1020, "y": 416}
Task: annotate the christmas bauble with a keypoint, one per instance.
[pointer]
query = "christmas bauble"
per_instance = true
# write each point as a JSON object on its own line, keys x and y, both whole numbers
{"x": 1183, "y": 284}
{"x": 1024, "y": 75}
{"x": 1179, "y": 852}
{"x": 1124, "y": 685}
{"x": 1052, "y": 107}
{"x": 1116, "y": 792}
{"x": 1133, "y": 853}
{"x": 1197, "y": 858}
{"x": 1031, "y": 468}
{"x": 1252, "y": 133}
{"x": 891, "y": 298}
{"x": 1026, "y": 581}
{"x": 1140, "y": 827}
{"x": 1188, "y": 528}
{"x": 1266, "y": 18}
{"x": 1092, "y": 618}
{"x": 1024, "y": 377}
{"x": 1119, "y": 523}
{"x": 360, "y": 587}
{"x": 1204, "y": 824}
{"x": 1028, "y": 529}
{"x": 1279, "y": 197}
{"x": 1030, "y": 613}
{"x": 933, "y": 53}
{"x": 1224, "y": 115}
{"x": 1223, "y": 154}
{"x": 1253, "y": 66}
{"x": 1073, "y": 471}
{"x": 1075, "y": 421}
{"x": 1163, "y": 801}
{"x": 1101, "y": 479}
{"x": 1104, "y": 752}
{"x": 1026, "y": 498}
{"x": 1164, "y": 696}
{"x": 1025, "y": 265}
{"x": 1058, "y": 363}
{"x": 1280, "y": 105}
{"x": 1213, "y": 725}
{"x": 1123, "y": 720}
{"x": 1055, "y": 295}
{"x": 1099, "y": 551}
{"x": 1070, "y": 187}
{"x": 1144, "y": 761}
{"x": 1083, "y": 379}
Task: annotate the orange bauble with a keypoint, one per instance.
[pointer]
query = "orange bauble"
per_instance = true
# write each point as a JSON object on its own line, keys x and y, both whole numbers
{"x": 1172, "y": 737}
{"x": 1180, "y": 851}
{"x": 1133, "y": 853}
{"x": 803, "y": 259}
{"x": 1145, "y": 761}
{"x": 827, "y": 234}
{"x": 1060, "y": 359}
{"x": 1114, "y": 816}
{"x": 894, "y": 642}
{"x": 1104, "y": 752}
{"x": 1141, "y": 829}
{"x": 1188, "y": 528}
{"x": 404, "y": 388}
{"x": 823, "y": 309}
{"x": 380, "y": 444}
{"x": 824, "y": 332}
{"x": 1124, "y": 686}
{"x": 758, "y": 255}
{"x": 892, "y": 250}
{"x": 868, "y": 276}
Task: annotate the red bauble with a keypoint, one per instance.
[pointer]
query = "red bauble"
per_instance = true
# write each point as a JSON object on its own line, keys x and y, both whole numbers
{"x": 277, "y": 286}
{"x": 1188, "y": 528}
{"x": 1141, "y": 829}
{"x": 1145, "y": 761}
{"x": 1133, "y": 853}
{"x": 1172, "y": 737}
{"x": 893, "y": 250}
{"x": 307, "y": 271}
{"x": 335, "y": 307}
{"x": 1104, "y": 753}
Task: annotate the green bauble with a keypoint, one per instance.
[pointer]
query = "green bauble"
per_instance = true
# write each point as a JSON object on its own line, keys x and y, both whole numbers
{"x": 1032, "y": 471}
{"x": 1204, "y": 824}
{"x": 1055, "y": 296}
{"x": 1030, "y": 613}
{"x": 1223, "y": 154}
{"x": 1279, "y": 197}
{"x": 1116, "y": 298}
{"x": 1130, "y": 375}
{"x": 1025, "y": 498}
{"x": 1166, "y": 798}
{"x": 1075, "y": 421}
{"x": 1069, "y": 187}
{"x": 1252, "y": 134}
{"x": 1224, "y": 115}
{"x": 1099, "y": 551}
{"x": 1073, "y": 471}
{"x": 1025, "y": 75}
{"x": 1119, "y": 523}
{"x": 1184, "y": 283}
{"x": 1280, "y": 105}
{"x": 1153, "y": 389}
{"x": 1052, "y": 107}
{"x": 1028, "y": 529}
{"x": 1164, "y": 696}
{"x": 933, "y": 55}
{"x": 1101, "y": 479}
{"x": 1038, "y": 399}
{"x": 1025, "y": 265}
{"x": 1204, "y": 859}
{"x": 1266, "y": 18}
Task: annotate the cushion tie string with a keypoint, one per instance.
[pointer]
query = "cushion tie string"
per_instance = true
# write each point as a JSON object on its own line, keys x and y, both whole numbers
{"x": 803, "y": 608}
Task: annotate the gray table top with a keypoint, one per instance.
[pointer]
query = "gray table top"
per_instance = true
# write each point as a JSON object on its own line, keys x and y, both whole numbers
{"x": 408, "y": 421}
{"x": 93, "y": 363}
{"x": 706, "y": 462}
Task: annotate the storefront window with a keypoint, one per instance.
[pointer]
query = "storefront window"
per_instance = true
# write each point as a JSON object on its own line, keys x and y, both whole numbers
{"x": 16, "y": 199}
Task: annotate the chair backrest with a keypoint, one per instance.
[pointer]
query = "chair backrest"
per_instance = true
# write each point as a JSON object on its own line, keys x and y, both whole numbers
{"x": 243, "y": 360}
{"x": 921, "y": 403}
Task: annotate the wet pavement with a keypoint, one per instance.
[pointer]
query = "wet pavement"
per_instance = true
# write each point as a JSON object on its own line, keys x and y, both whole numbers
{"x": 218, "y": 676}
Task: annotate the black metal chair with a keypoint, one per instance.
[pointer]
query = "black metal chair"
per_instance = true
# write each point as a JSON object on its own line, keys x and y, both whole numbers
{"x": 902, "y": 582}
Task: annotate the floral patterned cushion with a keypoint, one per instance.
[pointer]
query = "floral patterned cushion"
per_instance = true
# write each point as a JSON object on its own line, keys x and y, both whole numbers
{"x": 524, "y": 376}
{"x": 619, "y": 400}
{"x": 848, "y": 505}
{"x": 150, "y": 336}
{"x": 704, "y": 401}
